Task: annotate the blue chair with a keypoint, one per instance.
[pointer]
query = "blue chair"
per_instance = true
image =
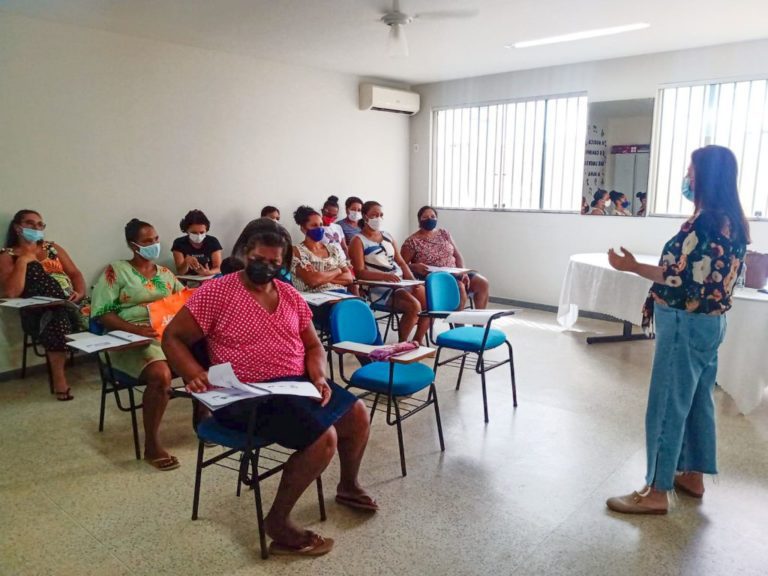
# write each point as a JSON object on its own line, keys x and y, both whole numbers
{"x": 255, "y": 458}
{"x": 353, "y": 321}
{"x": 442, "y": 298}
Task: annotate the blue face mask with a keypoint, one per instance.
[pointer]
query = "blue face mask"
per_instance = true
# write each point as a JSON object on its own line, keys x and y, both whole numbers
{"x": 687, "y": 190}
{"x": 151, "y": 252}
{"x": 625, "y": 204}
{"x": 429, "y": 224}
{"x": 316, "y": 234}
{"x": 32, "y": 235}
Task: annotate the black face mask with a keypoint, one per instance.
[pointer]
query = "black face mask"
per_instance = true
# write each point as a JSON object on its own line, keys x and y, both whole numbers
{"x": 260, "y": 272}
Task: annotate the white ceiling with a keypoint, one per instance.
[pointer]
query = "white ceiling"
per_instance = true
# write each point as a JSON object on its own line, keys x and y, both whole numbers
{"x": 346, "y": 36}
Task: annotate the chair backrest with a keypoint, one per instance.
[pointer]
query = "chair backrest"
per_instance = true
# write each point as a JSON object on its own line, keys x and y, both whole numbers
{"x": 353, "y": 321}
{"x": 442, "y": 292}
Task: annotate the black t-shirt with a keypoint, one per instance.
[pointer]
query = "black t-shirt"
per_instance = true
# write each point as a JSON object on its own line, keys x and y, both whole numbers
{"x": 203, "y": 254}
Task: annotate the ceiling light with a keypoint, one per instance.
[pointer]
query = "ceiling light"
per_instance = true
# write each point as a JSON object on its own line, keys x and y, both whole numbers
{"x": 583, "y": 35}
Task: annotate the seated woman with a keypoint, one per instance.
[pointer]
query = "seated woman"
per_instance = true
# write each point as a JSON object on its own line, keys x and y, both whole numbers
{"x": 431, "y": 246}
{"x": 619, "y": 204}
{"x": 270, "y": 212}
{"x": 375, "y": 256}
{"x": 264, "y": 329}
{"x": 353, "y": 207}
{"x": 334, "y": 234}
{"x": 317, "y": 266}
{"x": 643, "y": 197}
{"x": 197, "y": 253}
{"x": 119, "y": 302}
{"x": 600, "y": 203}
{"x": 30, "y": 266}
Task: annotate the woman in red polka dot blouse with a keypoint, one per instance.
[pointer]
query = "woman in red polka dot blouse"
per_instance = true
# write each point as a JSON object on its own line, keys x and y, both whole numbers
{"x": 263, "y": 327}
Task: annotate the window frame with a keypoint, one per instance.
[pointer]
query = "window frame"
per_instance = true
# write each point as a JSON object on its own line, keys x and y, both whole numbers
{"x": 498, "y": 193}
{"x": 656, "y": 136}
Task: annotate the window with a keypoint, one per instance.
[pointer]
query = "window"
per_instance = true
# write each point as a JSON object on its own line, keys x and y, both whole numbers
{"x": 523, "y": 155}
{"x": 732, "y": 114}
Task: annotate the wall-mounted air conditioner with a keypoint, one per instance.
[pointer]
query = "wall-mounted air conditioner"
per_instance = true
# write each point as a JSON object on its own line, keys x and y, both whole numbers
{"x": 385, "y": 99}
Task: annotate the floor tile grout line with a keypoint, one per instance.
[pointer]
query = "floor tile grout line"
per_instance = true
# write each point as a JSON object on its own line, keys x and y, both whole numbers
{"x": 91, "y": 534}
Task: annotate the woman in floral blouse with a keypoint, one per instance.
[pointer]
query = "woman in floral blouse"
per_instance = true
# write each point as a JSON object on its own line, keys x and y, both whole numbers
{"x": 33, "y": 266}
{"x": 433, "y": 246}
{"x": 692, "y": 291}
{"x": 119, "y": 302}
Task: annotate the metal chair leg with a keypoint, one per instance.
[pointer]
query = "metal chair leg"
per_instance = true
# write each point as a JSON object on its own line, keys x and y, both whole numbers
{"x": 50, "y": 373}
{"x": 259, "y": 509}
{"x": 485, "y": 394}
{"x": 134, "y": 423}
{"x": 512, "y": 374}
{"x": 104, "y": 393}
{"x": 433, "y": 395}
{"x": 399, "y": 436}
{"x": 24, "y": 356}
{"x": 461, "y": 371}
{"x": 373, "y": 408}
{"x": 321, "y": 498}
{"x": 198, "y": 479}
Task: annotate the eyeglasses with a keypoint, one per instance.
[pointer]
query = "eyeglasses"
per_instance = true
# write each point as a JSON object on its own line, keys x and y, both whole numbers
{"x": 33, "y": 224}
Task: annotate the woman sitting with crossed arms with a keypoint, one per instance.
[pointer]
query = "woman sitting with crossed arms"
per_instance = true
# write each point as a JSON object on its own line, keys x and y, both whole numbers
{"x": 264, "y": 329}
{"x": 375, "y": 256}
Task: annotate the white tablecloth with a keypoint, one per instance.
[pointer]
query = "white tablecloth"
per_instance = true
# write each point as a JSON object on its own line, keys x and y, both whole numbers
{"x": 591, "y": 284}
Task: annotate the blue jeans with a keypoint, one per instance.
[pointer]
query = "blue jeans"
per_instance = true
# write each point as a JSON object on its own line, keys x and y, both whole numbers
{"x": 680, "y": 419}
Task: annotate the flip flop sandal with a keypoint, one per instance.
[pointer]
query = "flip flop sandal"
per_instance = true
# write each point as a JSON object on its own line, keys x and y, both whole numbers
{"x": 359, "y": 502}
{"x": 64, "y": 395}
{"x": 317, "y": 547}
{"x": 164, "y": 464}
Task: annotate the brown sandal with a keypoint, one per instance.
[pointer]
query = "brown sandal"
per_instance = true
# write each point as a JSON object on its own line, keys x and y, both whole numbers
{"x": 317, "y": 546}
{"x": 164, "y": 463}
{"x": 64, "y": 395}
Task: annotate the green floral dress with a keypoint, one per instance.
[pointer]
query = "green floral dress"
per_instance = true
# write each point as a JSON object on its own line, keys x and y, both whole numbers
{"x": 125, "y": 291}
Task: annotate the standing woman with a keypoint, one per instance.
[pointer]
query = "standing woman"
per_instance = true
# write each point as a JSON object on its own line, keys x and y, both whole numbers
{"x": 119, "y": 302}
{"x": 692, "y": 291}
{"x": 197, "y": 252}
{"x": 375, "y": 256}
{"x": 30, "y": 266}
{"x": 353, "y": 206}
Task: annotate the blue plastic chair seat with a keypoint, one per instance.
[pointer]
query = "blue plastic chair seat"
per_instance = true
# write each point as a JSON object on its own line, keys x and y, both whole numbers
{"x": 210, "y": 430}
{"x": 470, "y": 338}
{"x": 409, "y": 378}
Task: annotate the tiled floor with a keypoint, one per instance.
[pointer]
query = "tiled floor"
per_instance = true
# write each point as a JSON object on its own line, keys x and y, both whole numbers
{"x": 522, "y": 495}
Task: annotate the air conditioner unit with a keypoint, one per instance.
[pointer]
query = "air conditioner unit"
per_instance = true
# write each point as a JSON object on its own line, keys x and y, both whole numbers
{"x": 374, "y": 97}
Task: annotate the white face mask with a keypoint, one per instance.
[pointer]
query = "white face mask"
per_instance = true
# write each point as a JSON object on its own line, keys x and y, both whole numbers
{"x": 196, "y": 238}
{"x": 607, "y": 203}
{"x": 375, "y": 223}
{"x": 354, "y": 215}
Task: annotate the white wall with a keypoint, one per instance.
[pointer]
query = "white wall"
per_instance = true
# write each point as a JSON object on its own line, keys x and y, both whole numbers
{"x": 98, "y": 128}
{"x": 525, "y": 254}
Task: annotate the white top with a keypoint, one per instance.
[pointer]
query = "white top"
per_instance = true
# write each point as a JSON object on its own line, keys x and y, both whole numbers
{"x": 334, "y": 234}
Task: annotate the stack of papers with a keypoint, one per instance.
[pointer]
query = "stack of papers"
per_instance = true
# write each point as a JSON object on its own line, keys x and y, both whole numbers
{"x": 474, "y": 317}
{"x": 227, "y": 389}
{"x": 323, "y": 297}
{"x": 448, "y": 269}
{"x": 195, "y": 278}
{"x": 24, "y": 302}
{"x": 90, "y": 343}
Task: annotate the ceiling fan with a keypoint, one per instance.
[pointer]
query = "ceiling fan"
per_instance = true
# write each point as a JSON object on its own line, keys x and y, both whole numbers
{"x": 397, "y": 21}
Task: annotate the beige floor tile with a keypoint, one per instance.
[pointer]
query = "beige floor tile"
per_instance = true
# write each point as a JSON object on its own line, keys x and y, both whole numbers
{"x": 523, "y": 494}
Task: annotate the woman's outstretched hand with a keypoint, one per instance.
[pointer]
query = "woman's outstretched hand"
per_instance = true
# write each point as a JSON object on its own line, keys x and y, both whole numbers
{"x": 625, "y": 262}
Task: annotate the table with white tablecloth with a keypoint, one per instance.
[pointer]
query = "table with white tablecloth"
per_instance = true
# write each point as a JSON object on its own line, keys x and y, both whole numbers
{"x": 592, "y": 284}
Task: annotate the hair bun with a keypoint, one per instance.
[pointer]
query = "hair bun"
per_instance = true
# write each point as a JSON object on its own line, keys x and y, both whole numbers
{"x": 333, "y": 199}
